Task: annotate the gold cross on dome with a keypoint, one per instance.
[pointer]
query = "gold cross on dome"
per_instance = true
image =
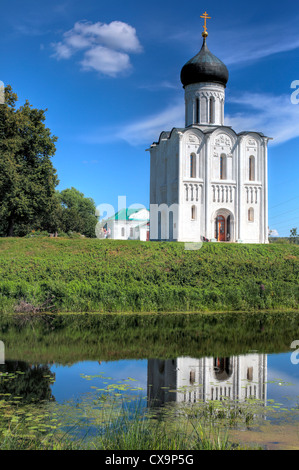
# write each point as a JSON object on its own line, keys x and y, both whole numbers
{"x": 205, "y": 16}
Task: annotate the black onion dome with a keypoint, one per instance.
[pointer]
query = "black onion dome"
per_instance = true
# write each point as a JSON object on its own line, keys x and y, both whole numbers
{"x": 204, "y": 67}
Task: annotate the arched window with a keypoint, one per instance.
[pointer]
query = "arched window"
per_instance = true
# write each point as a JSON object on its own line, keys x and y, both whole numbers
{"x": 192, "y": 165}
{"x": 223, "y": 167}
{"x": 193, "y": 213}
{"x": 251, "y": 215}
{"x": 212, "y": 110}
{"x": 251, "y": 168}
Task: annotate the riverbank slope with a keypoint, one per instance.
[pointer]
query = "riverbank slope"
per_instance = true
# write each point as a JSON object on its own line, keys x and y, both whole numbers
{"x": 90, "y": 275}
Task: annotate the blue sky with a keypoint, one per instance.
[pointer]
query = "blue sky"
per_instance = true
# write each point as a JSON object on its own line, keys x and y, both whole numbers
{"x": 109, "y": 75}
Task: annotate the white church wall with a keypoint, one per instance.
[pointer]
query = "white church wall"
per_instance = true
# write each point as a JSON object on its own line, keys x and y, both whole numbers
{"x": 251, "y": 228}
{"x": 191, "y": 187}
{"x": 119, "y": 230}
{"x": 191, "y": 228}
{"x": 153, "y": 170}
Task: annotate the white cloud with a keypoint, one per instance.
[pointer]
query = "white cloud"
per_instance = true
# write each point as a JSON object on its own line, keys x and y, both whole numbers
{"x": 273, "y": 233}
{"x": 142, "y": 131}
{"x": 274, "y": 116}
{"x": 116, "y": 35}
{"x": 76, "y": 41}
{"x": 106, "y": 61}
{"x": 145, "y": 131}
{"x": 159, "y": 86}
{"x": 250, "y": 47}
{"x": 62, "y": 51}
{"x": 105, "y": 46}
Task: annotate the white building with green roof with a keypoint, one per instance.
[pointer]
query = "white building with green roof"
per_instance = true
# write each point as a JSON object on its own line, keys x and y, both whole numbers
{"x": 127, "y": 224}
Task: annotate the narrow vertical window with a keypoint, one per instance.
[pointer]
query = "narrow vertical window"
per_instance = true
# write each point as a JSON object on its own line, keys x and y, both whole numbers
{"x": 170, "y": 220}
{"x": 159, "y": 225}
{"x": 192, "y": 165}
{"x": 199, "y": 161}
{"x": 193, "y": 213}
{"x": 251, "y": 168}
{"x": 122, "y": 232}
{"x": 223, "y": 167}
{"x": 197, "y": 118}
{"x": 251, "y": 215}
{"x": 212, "y": 110}
{"x": 205, "y": 105}
{"x": 222, "y": 112}
{"x": 192, "y": 377}
{"x": 187, "y": 192}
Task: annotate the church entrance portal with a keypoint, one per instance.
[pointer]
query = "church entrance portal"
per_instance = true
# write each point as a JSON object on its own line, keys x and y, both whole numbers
{"x": 223, "y": 228}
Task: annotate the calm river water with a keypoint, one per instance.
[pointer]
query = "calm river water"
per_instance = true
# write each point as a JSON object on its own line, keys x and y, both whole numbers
{"x": 181, "y": 360}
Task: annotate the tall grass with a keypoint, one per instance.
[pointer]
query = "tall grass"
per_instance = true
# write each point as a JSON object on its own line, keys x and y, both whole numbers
{"x": 118, "y": 428}
{"x": 115, "y": 276}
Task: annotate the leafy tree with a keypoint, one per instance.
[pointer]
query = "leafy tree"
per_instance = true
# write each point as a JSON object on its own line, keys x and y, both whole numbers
{"x": 27, "y": 176}
{"x": 78, "y": 212}
{"x": 293, "y": 234}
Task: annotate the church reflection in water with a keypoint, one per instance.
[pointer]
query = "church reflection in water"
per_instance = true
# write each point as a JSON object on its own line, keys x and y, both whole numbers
{"x": 187, "y": 379}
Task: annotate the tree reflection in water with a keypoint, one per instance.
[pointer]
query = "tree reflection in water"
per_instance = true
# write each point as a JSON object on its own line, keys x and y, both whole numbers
{"x": 32, "y": 382}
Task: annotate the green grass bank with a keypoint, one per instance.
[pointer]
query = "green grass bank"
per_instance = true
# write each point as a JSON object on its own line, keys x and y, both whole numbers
{"x": 90, "y": 275}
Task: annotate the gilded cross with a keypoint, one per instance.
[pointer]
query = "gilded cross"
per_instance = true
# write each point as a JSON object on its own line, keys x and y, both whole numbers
{"x": 205, "y": 16}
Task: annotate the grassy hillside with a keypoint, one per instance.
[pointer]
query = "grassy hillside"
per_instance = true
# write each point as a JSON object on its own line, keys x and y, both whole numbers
{"x": 84, "y": 275}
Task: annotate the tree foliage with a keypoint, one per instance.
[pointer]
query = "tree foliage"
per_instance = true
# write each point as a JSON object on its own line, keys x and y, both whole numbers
{"x": 77, "y": 213}
{"x": 27, "y": 176}
{"x": 28, "y": 199}
{"x": 294, "y": 235}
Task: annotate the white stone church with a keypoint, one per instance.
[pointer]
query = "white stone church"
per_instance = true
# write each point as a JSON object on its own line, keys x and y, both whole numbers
{"x": 208, "y": 182}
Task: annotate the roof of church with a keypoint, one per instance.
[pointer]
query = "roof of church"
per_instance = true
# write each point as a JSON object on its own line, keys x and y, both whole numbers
{"x": 205, "y": 129}
{"x": 204, "y": 67}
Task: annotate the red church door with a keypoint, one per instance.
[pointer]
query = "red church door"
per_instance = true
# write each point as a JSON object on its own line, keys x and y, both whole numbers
{"x": 221, "y": 228}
